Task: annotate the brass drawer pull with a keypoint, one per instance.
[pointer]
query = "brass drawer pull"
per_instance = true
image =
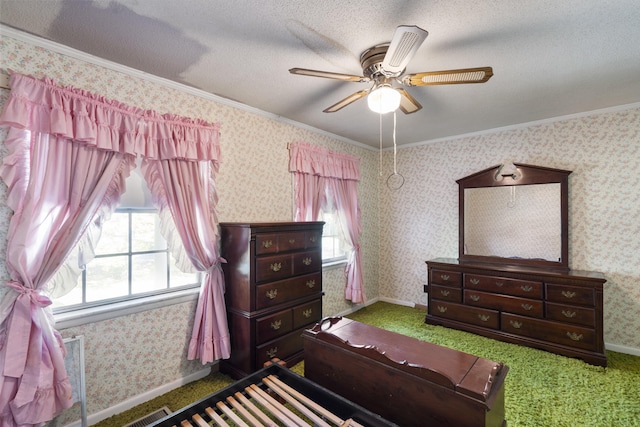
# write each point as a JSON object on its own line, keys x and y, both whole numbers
{"x": 527, "y": 307}
{"x": 311, "y": 284}
{"x": 526, "y": 288}
{"x": 445, "y": 276}
{"x": 444, "y": 293}
{"x": 271, "y": 353}
{"x": 475, "y": 298}
{"x": 441, "y": 309}
{"x": 276, "y": 324}
{"x": 271, "y": 293}
{"x": 267, "y": 244}
{"x": 499, "y": 284}
{"x": 568, "y": 294}
{"x": 276, "y": 266}
{"x": 313, "y": 239}
{"x": 515, "y": 324}
{"x": 307, "y": 313}
{"x": 575, "y": 337}
{"x": 292, "y": 241}
{"x": 569, "y": 314}
{"x": 307, "y": 261}
{"x": 474, "y": 281}
{"x": 484, "y": 317}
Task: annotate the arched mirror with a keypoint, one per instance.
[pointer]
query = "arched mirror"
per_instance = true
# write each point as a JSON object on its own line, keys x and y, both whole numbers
{"x": 515, "y": 214}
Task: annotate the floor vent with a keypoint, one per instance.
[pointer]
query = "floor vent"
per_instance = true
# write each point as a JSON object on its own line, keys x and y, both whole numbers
{"x": 149, "y": 418}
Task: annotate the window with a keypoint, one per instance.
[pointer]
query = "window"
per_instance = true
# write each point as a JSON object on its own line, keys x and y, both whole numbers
{"x": 333, "y": 243}
{"x": 132, "y": 258}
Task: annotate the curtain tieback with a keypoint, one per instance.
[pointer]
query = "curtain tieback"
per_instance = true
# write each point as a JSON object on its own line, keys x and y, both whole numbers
{"x": 19, "y": 327}
{"x": 217, "y": 264}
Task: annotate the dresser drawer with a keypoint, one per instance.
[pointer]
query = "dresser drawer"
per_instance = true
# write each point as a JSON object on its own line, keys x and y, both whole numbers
{"x": 273, "y": 267}
{"x": 511, "y": 304}
{"x": 266, "y": 244}
{"x": 571, "y": 314}
{"x": 307, "y": 262}
{"x": 473, "y": 315}
{"x": 293, "y": 264}
{"x": 275, "y": 293}
{"x": 273, "y": 326}
{"x": 272, "y": 243}
{"x": 446, "y": 293}
{"x": 446, "y": 278}
{"x": 279, "y": 242}
{"x": 313, "y": 239}
{"x": 570, "y": 294}
{"x": 281, "y": 348}
{"x": 306, "y": 314}
{"x": 503, "y": 285}
{"x": 559, "y": 333}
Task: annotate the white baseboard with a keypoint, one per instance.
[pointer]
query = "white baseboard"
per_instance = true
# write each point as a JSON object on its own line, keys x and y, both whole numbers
{"x": 398, "y": 302}
{"x": 144, "y": 397}
{"x": 622, "y": 349}
{"x": 373, "y": 301}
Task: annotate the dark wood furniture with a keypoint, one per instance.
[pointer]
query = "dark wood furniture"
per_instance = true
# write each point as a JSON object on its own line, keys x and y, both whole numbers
{"x": 555, "y": 310}
{"x": 405, "y": 380}
{"x": 514, "y": 222}
{"x": 536, "y": 301}
{"x": 273, "y": 278}
{"x": 221, "y": 403}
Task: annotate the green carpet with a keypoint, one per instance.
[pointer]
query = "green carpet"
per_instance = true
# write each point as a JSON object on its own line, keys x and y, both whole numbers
{"x": 541, "y": 389}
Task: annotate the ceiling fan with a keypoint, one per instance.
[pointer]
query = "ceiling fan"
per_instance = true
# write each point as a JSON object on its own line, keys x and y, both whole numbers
{"x": 384, "y": 65}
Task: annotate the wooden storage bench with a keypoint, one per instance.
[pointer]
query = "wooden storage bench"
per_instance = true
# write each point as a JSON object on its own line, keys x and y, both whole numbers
{"x": 405, "y": 380}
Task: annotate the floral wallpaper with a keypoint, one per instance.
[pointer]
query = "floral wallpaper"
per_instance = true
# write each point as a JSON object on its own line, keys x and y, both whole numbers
{"x": 402, "y": 228}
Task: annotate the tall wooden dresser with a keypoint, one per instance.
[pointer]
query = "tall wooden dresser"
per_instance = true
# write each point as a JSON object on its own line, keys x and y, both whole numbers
{"x": 557, "y": 311}
{"x": 273, "y": 278}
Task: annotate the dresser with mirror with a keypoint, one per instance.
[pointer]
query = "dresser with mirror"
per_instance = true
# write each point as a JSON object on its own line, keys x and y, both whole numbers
{"x": 512, "y": 280}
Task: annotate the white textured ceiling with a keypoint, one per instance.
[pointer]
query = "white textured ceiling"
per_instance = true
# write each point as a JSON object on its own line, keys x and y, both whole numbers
{"x": 550, "y": 58}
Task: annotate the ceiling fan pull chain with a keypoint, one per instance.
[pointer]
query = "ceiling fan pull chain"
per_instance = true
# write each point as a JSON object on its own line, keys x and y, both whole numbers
{"x": 395, "y": 180}
{"x": 380, "y": 165}
{"x": 395, "y": 170}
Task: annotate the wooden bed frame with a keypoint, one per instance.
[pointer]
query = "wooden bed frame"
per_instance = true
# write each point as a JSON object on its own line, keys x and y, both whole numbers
{"x": 262, "y": 389}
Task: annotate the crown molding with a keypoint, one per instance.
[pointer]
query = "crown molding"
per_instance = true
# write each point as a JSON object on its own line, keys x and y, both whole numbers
{"x": 6, "y": 31}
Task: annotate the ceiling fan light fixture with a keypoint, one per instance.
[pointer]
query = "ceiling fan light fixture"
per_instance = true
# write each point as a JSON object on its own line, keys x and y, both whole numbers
{"x": 383, "y": 99}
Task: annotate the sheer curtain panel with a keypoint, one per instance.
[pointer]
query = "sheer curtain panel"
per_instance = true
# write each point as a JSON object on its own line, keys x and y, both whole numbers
{"x": 69, "y": 153}
{"x": 320, "y": 175}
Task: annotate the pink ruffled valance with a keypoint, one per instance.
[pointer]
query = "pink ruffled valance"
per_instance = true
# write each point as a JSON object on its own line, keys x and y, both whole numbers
{"x": 42, "y": 106}
{"x": 312, "y": 160}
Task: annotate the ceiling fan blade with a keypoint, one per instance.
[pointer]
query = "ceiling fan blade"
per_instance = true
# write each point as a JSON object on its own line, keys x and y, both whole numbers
{"x": 406, "y": 41}
{"x": 449, "y": 77}
{"x": 348, "y": 100}
{"x": 408, "y": 104}
{"x": 329, "y": 75}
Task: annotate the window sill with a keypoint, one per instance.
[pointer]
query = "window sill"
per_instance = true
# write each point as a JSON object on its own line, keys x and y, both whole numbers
{"x": 334, "y": 264}
{"x": 96, "y": 314}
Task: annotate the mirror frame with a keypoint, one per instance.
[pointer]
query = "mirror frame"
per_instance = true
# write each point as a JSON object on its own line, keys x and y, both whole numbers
{"x": 523, "y": 175}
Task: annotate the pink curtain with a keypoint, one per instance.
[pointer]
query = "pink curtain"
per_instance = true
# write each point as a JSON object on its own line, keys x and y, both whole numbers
{"x": 319, "y": 176}
{"x": 69, "y": 153}
{"x": 187, "y": 190}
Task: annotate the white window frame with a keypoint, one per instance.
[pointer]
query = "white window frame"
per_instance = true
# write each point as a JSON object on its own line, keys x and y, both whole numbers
{"x": 89, "y": 312}
{"x": 330, "y": 217}
{"x": 137, "y": 199}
